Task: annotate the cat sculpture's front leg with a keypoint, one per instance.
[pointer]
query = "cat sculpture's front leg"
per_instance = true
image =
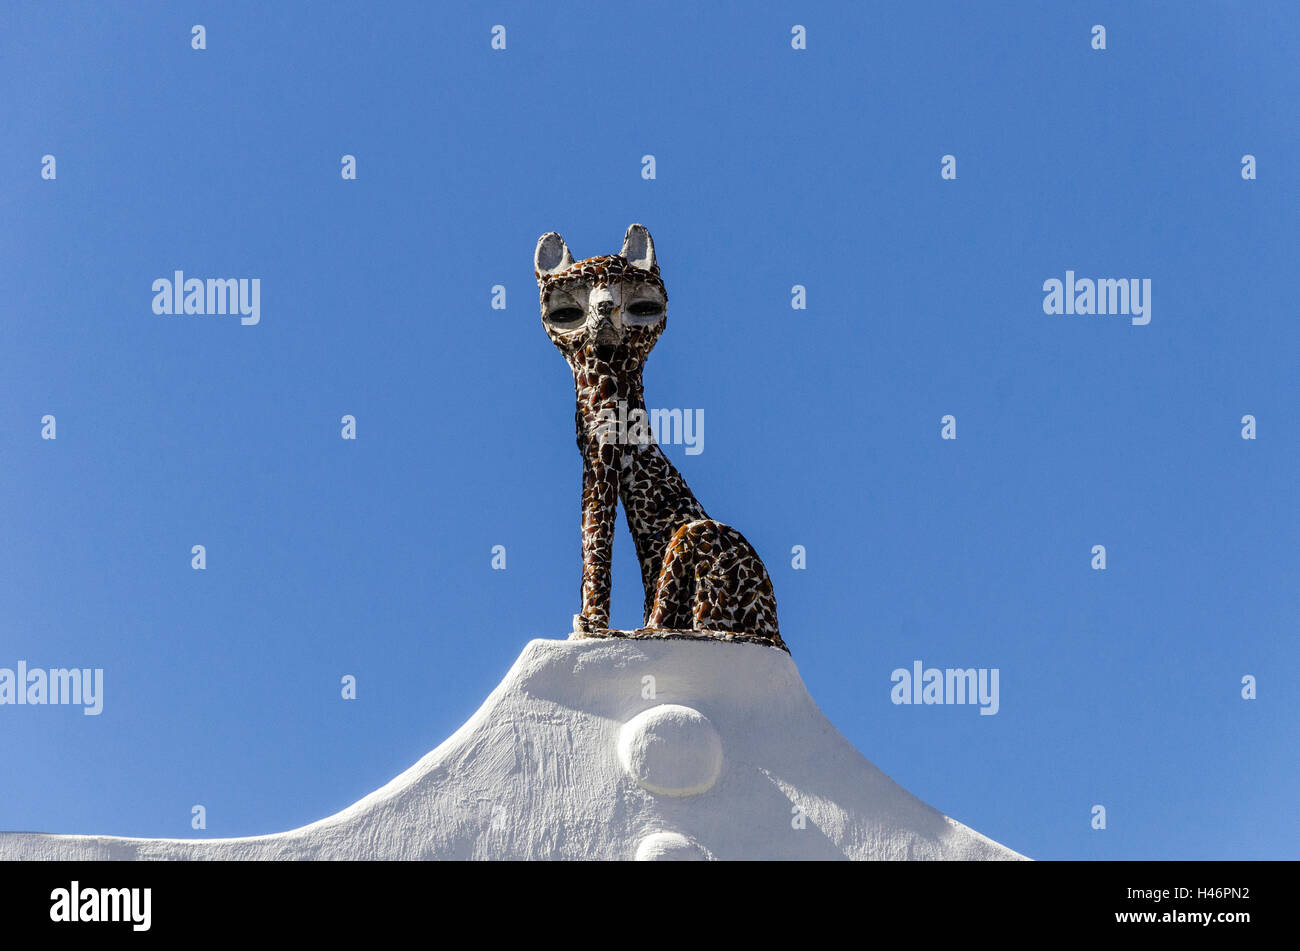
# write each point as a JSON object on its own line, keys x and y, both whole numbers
{"x": 599, "y": 507}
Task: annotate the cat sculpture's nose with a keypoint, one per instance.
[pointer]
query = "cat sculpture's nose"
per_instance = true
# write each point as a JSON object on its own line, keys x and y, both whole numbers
{"x": 607, "y": 330}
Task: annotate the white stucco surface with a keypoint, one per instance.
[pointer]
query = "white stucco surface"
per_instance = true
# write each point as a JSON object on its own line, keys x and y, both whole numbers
{"x": 568, "y": 758}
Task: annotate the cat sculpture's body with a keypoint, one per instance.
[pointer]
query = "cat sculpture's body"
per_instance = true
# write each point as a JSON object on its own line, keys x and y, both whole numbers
{"x": 604, "y": 314}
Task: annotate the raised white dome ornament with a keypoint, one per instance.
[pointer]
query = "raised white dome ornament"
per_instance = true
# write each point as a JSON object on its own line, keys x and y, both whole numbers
{"x": 670, "y": 847}
{"x": 671, "y": 750}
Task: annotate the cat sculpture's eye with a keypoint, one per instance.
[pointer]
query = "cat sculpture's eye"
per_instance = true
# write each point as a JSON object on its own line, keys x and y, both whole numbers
{"x": 646, "y": 308}
{"x": 564, "y": 312}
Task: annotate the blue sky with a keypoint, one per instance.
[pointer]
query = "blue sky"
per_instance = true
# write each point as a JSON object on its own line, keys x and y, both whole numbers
{"x": 774, "y": 167}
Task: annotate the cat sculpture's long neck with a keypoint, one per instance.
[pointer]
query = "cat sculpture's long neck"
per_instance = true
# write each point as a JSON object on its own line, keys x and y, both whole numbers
{"x": 609, "y": 389}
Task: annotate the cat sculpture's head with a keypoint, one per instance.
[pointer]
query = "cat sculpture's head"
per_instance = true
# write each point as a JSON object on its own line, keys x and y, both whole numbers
{"x": 604, "y": 313}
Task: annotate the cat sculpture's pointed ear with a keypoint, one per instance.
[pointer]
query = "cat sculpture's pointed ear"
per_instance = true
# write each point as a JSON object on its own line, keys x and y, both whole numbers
{"x": 639, "y": 247}
{"x": 552, "y": 255}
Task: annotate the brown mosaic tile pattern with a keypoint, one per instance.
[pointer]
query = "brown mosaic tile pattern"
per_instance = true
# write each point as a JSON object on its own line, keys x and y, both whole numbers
{"x": 699, "y": 575}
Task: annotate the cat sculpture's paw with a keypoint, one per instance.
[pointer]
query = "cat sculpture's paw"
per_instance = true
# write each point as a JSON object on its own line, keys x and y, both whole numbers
{"x": 585, "y": 627}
